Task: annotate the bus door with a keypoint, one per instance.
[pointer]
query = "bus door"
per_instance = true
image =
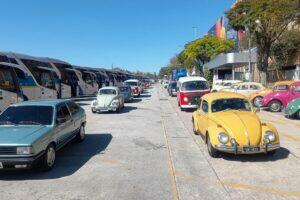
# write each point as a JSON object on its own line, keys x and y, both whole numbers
{"x": 10, "y": 92}
{"x": 72, "y": 81}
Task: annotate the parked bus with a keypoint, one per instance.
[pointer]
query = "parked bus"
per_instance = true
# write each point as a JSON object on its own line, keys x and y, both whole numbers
{"x": 37, "y": 79}
{"x": 90, "y": 84}
{"x": 69, "y": 80}
{"x": 10, "y": 91}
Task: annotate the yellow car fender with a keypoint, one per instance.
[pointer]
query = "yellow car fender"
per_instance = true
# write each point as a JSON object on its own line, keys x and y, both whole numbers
{"x": 270, "y": 127}
{"x": 212, "y": 132}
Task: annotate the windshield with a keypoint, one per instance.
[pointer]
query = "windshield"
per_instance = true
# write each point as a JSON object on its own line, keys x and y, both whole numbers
{"x": 230, "y": 104}
{"x": 124, "y": 89}
{"x": 195, "y": 85}
{"x": 173, "y": 85}
{"x": 107, "y": 92}
{"x": 27, "y": 115}
{"x": 131, "y": 83}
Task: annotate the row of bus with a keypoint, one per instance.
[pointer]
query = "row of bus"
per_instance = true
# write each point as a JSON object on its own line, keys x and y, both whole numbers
{"x": 24, "y": 77}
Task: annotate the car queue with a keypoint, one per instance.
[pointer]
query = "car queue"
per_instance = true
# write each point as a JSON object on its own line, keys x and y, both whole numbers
{"x": 236, "y": 102}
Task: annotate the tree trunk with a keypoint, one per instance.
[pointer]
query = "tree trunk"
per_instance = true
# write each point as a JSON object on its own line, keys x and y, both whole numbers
{"x": 263, "y": 62}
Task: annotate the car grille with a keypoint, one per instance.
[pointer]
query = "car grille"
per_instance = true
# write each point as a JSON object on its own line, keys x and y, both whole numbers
{"x": 8, "y": 150}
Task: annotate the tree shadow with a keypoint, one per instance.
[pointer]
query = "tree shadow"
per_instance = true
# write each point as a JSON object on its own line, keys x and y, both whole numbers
{"x": 68, "y": 160}
{"x": 281, "y": 153}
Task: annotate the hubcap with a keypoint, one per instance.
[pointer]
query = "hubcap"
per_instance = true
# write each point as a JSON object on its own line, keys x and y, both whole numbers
{"x": 50, "y": 157}
{"x": 275, "y": 106}
{"x": 82, "y": 132}
{"x": 258, "y": 101}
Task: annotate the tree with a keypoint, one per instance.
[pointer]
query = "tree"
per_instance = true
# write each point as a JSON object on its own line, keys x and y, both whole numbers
{"x": 204, "y": 49}
{"x": 266, "y": 20}
{"x": 208, "y": 75}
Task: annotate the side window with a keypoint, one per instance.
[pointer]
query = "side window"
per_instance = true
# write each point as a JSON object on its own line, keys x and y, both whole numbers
{"x": 6, "y": 80}
{"x": 204, "y": 106}
{"x": 254, "y": 87}
{"x": 63, "y": 113}
{"x": 243, "y": 87}
{"x": 73, "y": 107}
{"x": 296, "y": 88}
{"x": 24, "y": 79}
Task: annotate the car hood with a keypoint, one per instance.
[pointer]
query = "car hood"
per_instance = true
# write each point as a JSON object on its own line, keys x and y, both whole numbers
{"x": 243, "y": 126}
{"x": 21, "y": 134}
{"x": 105, "y": 100}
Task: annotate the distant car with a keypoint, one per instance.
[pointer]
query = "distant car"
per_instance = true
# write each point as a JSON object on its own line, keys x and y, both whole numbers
{"x": 293, "y": 109}
{"x": 228, "y": 123}
{"x": 33, "y": 131}
{"x": 108, "y": 99}
{"x": 165, "y": 83}
{"x": 246, "y": 88}
{"x": 135, "y": 85}
{"x": 257, "y": 97}
{"x": 126, "y": 92}
{"x": 223, "y": 84}
{"x": 172, "y": 89}
{"x": 278, "y": 100}
{"x": 190, "y": 90}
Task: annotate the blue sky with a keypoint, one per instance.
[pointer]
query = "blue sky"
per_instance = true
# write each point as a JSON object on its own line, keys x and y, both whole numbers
{"x": 133, "y": 34}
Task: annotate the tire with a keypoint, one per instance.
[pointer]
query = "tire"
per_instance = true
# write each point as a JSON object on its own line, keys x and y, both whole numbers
{"x": 211, "y": 150}
{"x": 182, "y": 109}
{"x": 298, "y": 114}
{"x": 271, "y": 153}
{"x": 194, "y": 129}
{"x": 275, "y": 106}
{"x": 257, "y": 101}
{"x": 118, "y": 110}
{"x": 93, "y": 111}
{"x": 48, "y": 159}
{"x": 81, "y": 134}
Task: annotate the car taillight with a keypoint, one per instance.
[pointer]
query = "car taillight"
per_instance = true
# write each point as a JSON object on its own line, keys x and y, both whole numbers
{"x": 184, "y": 98}
{"x": 135, "y": 90}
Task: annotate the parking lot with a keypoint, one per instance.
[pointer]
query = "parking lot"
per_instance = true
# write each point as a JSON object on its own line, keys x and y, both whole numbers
{"x": 149, "y": 151}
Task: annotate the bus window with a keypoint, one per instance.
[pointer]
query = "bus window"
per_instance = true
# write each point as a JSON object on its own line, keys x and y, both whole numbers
{"x": 24, "y": 79}
{"x": 7, "y": 81}
{"x": 4, "y": 59}
{"x": 88, "y": 79}
{"x": 46, "y": 79}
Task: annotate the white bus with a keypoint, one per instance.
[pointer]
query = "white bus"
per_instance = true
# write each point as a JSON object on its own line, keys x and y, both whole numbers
{"x": 37, "y": 79}
{"x": 10, "y": 91}
{"x": 90, "y": 84}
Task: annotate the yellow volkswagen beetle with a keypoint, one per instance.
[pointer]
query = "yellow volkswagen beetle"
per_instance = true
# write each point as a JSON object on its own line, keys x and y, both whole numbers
{"x": 228, "y": 123}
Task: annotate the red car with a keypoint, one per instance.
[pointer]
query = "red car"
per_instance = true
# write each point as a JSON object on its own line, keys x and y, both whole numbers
{"x": 278, "y": 100}
{"x": 190, "y": 90}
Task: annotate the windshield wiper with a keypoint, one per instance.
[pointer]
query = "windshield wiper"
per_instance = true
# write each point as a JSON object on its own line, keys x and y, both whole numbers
{"x": 30, "y": 123}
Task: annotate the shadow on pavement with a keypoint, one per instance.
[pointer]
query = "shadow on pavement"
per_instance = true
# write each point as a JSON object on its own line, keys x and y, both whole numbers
{"x": 128, "y": 109}
{"x": 145, "y": 96}
{"x": 281, "y": 153}
{"x": 83, "y": 104}
{"x": 135, "y": 100}
{"x": 68, "y": 160}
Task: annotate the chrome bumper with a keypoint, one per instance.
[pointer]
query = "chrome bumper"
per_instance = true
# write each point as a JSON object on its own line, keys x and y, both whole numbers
{"x": 240, "y": 149}
{"x": 189, "y": 106}
{"x": 104, "y": 109}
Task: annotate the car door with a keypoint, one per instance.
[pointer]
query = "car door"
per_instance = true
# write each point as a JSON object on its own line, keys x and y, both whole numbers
{"x": 64, "y": 124}
{"x": 75, "y": 114}
{"x": 202, "y": 117}
{"x": 243, "y": 89}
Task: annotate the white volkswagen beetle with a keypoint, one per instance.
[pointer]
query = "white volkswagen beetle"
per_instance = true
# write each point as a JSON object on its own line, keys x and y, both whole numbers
{"x": 108, "y": 99}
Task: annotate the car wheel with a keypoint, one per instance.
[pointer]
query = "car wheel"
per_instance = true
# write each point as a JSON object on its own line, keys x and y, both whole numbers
{"x": 211, "y": 150}
{"x": 298, "y": 114}
{"x": 93, "y": 111}
{"x": 271, "y": 153}
{"x": 275, "y": 106}
{"x": 257, "y": 101}
{"x": 118, "y": 110}
{"x": 194, "y": 129}
{"x": 48, "y": 160}
{"x": 81, "y": 134}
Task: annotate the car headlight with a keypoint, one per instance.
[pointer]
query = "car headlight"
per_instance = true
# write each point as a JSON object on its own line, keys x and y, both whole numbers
{"x": 270, "y": 136}
{"x": 24, "y": 150}
{"x": 223, "y": 138}
{"x": 115, "y": 103}
{"x": 95, "y": 103}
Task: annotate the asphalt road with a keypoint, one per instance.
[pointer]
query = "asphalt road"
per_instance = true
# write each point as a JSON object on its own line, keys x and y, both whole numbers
{"x": 149, "y": 152}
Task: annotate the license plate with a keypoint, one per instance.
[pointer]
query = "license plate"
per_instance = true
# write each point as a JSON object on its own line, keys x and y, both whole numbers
{"x": 1, "y": 165}
{"x": 251, "y": 149}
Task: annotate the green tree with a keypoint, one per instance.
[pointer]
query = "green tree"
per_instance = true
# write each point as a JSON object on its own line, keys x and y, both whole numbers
{"x": 208, "y": 75}
{"x": 204, "y": 49}
{"x": 267, "y": 20}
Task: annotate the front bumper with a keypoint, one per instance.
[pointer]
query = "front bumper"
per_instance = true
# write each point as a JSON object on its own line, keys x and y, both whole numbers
{"x": 241, "y": 149}
{"x": 104, "y": 109}
{"x": 22, "y": 162}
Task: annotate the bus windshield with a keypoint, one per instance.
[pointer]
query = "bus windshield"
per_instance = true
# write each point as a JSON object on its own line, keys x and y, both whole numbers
{"x": 195, "y": 85}
{"x": 7, "y": 79}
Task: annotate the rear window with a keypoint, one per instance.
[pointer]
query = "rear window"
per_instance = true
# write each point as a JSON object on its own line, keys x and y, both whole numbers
{"x": 107, "y": 92}
{"x": 173, "y": 85}
{"x": 124, "y": 89}
{"x": 131, "y": 83}
{"x": 195, "y": 85}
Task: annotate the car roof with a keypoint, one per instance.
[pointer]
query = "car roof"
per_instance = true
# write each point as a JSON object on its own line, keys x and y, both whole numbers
{"x": 191, "y": 78}
{"x": 109, "y": 88}
{"x": 284, "y": 83}
{"x": 222, "y": 95}
{"x": 42, "y": 102}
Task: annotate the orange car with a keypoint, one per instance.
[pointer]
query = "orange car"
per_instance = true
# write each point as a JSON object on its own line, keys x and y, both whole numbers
{"x": 256, "y": 98}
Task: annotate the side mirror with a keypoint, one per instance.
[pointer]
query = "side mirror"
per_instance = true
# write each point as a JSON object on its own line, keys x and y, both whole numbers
{"x": 257, "y": 110}
{"x": 61, "y": 121}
